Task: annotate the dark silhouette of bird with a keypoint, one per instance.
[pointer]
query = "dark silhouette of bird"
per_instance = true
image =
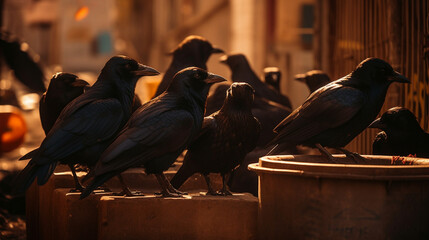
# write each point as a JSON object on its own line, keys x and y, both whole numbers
{"x": 88, "y": 124}
{"x": 314, "y": 79}
{"x": 20, "y": 58}
{"x": 242, "y": 72}
{"x": 336, "y": 113}
{"x": 159, "y": 131}
{"x": 269, "y": 115}
{"x": 273, "y": 77}
{"x": 401, "y": 134}
{"x": 62, "y": 89}
{"x": 193, "y": 51}
{"x": 224, "y": 140}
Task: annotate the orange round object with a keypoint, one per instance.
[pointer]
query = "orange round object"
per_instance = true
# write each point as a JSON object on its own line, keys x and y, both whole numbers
{"x": 12, "y": 128}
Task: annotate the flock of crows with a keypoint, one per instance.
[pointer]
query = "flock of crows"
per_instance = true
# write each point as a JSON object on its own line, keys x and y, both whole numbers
{"x": 106, "y": 128}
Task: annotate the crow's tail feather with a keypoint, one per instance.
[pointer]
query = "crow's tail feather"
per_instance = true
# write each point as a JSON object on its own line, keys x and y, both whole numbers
{"x": 96, "y": 182}
{"x": 30, "y": 154}
{"x": 26, "y": 177}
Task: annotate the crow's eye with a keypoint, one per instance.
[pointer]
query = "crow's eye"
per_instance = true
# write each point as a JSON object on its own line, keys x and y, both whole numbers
{"x": 128, "y": 66}
{"x": 197, "y": 76}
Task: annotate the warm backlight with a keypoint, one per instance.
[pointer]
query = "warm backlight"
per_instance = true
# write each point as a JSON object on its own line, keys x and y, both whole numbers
{"x": 81, "y": 13}
{"x": 12, "y": 133}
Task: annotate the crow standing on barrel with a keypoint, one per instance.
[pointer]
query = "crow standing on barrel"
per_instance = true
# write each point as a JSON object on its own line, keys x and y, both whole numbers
{"x": 159, "y": 131}
{"x": 193, "y": 51}
{"x": 314, "y": 79}
{"x": 336, "y": 113}
{"x": 401, "y": 134}
{"x": 62, "y": 89}
{"x": 224, "y": 140}
{"x": 88, "y": 124}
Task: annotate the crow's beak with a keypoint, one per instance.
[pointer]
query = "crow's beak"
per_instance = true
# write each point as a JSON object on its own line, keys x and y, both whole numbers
{"x": 377, "y": 124}
{"x": 213, "y": 78}
{"x": 397, "y": 77}
{"x": 223, "y": 59}
{"x": 79, "y": 83}
{"x": 300, "y": 77}
{"x": 144, "y": 70}
{"x": 217, "y": 50}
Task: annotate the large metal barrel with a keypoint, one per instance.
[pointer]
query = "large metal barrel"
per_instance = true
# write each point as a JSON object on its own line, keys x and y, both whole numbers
{"x": 305, "y": 197}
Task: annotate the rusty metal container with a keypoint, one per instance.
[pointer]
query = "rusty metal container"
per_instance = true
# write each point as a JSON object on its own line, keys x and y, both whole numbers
{"x": 305, "y": 197}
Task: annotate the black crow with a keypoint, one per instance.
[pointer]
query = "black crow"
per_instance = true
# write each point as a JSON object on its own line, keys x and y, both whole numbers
{"x": 336, "y": 113}
{"x": 314, "y": 79}
{"x": 62, "y": 89}
{"x": 401, "y": 135}
{"x": 224, "y": 140}
{"x": 273, "y": 77}
{"x": 193, "y": 51}
{"x": 268, "y": 113}
{"x": 242, "y": 72}
{"x": 87, "y": 124}
{"x": 159, "y": 131}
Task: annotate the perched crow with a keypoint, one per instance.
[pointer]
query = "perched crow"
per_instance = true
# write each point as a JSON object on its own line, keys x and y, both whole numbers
{"x": 336, "y": 113}
{"x": 267, "y": 112}
{"x": 401, "y": 135}
{"x": 193, "y": 51}
{"x": 273, "y": 77}
{"x": 242, "y": 72}
{"x": 224, "y": 140}
{"x": 159, "y": 131}
{"x": 62, "y": 89}
{"x": 269, "y": 115}
{"x": 87, "y": 124}
{"x": 314, "y": 79}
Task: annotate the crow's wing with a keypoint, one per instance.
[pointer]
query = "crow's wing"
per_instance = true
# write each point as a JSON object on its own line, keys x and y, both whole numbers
{"x": 93, "y": 123}
{"x": 165, "y": 133}
{"x": 328, "y": 107}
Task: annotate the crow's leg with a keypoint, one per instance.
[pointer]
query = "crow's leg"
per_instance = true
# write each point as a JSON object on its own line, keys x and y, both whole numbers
{"x": 125, "y": 190}
{"x": 325, "y": 152}
{"x": 225, "y": 191}
{"x": 355, "y": 156}
{"x": 210, "y": 190}
{"x": 170, "y": 187}
{"x": 166, "y": 186}
{"x": 78, "y": 185}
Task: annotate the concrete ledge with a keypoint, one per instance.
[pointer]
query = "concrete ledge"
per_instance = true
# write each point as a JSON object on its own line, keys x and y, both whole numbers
{"x": 39, "y": 199}
{"x": 190, "y": 217}
{"x": 39, "y": 204}
{"x": 73, "y": 218}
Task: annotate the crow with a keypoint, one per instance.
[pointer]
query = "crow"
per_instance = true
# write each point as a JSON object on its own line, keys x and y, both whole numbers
{"x": 314, "y": 79}
{"x": 62, "y": 89}
{"x": 336, "y": 113}
{"x": 159, "y": 131}
{"x": 193, "y": 51}
{"x": 269, "y": 115}
{"x": 273, "y": 77}
{"x": 87, "y": 124}
{"x": 224, "y": 140}
{"x": 242, "y": 72}
{"x": 401, "y": 134}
